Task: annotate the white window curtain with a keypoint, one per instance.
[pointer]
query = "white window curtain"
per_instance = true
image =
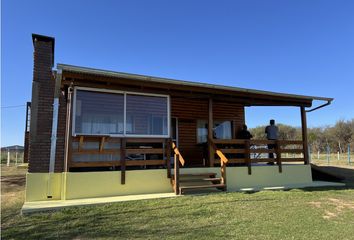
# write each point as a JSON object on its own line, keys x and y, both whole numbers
{"x": 102, "y": 113}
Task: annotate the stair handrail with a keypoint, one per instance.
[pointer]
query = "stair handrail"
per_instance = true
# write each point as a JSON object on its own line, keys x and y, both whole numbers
{"x": 178, "y": 159}
{"x": 223, "y": 161}
{"x": 177, "y": 152}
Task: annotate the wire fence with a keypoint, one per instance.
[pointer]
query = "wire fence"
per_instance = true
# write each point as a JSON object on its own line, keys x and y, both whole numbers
{"x": 330, "y": 158}
{"x": 12, "y": 157}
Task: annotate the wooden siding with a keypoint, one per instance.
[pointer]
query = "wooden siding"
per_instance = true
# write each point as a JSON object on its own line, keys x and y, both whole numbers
{"x": 188, "y": 111}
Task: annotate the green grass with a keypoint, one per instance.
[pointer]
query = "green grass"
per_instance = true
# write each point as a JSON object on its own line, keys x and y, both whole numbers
{"x": 295, "y": 214}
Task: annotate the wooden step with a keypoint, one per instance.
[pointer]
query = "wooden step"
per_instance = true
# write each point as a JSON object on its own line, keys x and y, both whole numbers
{"x": 196, "y": 175}
{"x": 200, "y": 180}
{"x": 181, "y": 189}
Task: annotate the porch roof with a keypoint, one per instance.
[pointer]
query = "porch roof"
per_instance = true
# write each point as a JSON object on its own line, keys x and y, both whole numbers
{"x": 255, "y": 97}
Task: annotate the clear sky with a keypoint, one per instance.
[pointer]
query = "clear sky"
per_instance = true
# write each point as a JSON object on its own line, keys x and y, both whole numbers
{"x": 296, "y": 46}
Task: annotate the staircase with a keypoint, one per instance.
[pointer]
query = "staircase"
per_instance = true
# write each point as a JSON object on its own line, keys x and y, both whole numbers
{"x": 183, "y": 183}
{"x": 193, "y": 183}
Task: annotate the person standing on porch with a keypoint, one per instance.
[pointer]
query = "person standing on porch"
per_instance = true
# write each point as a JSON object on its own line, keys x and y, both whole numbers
{"x": 272, "y": 134}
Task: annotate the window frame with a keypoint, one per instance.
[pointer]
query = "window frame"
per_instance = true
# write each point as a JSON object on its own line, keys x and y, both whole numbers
{"x": 102, "y": 90}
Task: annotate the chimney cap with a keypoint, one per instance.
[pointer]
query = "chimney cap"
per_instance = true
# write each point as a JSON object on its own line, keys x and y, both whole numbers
{"x": 44, "y": 39}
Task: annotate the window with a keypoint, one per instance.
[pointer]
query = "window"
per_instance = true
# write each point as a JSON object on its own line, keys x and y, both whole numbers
{"x": 202, "y": 131}
{"x": 99, "y": 113}
{"x": 221, "y": 130}
{"x": 146, "y": 115}
{"x": 120, "y": 113}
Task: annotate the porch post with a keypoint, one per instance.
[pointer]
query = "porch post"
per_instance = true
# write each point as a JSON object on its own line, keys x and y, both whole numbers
{"x": 210, "y": 134}
{"x": 304, "y": 135}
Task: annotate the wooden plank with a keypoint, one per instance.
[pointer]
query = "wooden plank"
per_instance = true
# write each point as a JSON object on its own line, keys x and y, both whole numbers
{"x": 176, "y": 151}
{"x": 81, "y": 143}
{"x": 233, "y": 150}
{"x": 304, "y": 135}
{"x": 96, "y": 151}
{"x": 122, "y": 160}
{"x": 223, "y": 172}
{"x": 176, "y": 174}
{"x": 248, "y": 157}
{"x": 144, "y": 151}
{"x": 145, "y": 140}
{"x": 102, "y": 143}
{"x": 168, "y": 157}
{"x": 235, "y": 160}
{"x": 210, "y": 133}
{"x": 229, "y": 141}
{"x": 144, "y": 162}
{"x": 292, "y": 159}
{"x": 95, "y": 164}
{"x": 291, "y": 150}
{"x": 278, "y": 154}
{"x": 262, "y": 150}
{"x": 221, "y": 156}
{"x": 261, "y": 142}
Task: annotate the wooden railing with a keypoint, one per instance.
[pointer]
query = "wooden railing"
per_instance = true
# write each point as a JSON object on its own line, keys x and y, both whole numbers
{"x": 223, "y": 163}
{"x": 120, "y": 150}
{"x": 240, "y": 151}
{"x": 178, "y": 159}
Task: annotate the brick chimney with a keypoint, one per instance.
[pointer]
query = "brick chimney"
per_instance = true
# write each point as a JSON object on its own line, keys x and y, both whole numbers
{"x": 43, "y": 87}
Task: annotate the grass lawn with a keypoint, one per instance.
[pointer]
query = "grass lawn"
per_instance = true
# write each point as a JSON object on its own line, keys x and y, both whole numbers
{"x": 295, "y": 214}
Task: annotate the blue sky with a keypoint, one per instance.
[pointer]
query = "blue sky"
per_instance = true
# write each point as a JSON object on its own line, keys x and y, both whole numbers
{"x": 302, "y": 47}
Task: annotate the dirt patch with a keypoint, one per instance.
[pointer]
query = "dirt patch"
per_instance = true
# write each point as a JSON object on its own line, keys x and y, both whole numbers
{"x": 12, "y": 183}
{"x": 336, "y": 207}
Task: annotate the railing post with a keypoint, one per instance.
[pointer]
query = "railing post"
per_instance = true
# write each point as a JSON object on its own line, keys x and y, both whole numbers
{"x": 122, "y": 160}
{"x": 304, "y": 135}
{"x": 278, "y": 153}
{"x": 168, "y": 157}
{"x": 248, "y": 156}
{"x": 176, "y": 173}
{"x": 223, "y": 173}
{"x": 210, "y": 134}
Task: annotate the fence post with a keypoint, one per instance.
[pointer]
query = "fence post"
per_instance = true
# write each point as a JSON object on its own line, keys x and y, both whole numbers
{"x": 318, "y": 154}
{"x": 16, "y": 156}
{"x": 310, "y": 156}
{"x": 349, "y": 154}
{"x": 328, "y": 151}
{"x": 8, "y": 157}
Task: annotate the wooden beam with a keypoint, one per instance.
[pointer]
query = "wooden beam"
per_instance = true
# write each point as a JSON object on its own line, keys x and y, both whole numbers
{"x": 278, "y": 153}
{"x": 102, "y": 143}
{"x": 248, "y": 157}
{"x": 176, "y": 174}
{"x": 81, "y": 143}
{"x": 210, "y": 133}
{"x": 304, "y": 135}
{"x": 168, "y": 156}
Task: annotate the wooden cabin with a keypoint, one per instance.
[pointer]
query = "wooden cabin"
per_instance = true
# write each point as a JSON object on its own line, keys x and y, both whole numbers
{"x": 96, "y": 133}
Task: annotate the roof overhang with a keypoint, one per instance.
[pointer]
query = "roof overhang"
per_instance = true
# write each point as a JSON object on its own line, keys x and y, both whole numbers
{"x": 251, "y": 97}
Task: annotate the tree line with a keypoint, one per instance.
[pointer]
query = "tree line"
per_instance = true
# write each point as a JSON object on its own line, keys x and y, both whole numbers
{"x": 336, "y": 137}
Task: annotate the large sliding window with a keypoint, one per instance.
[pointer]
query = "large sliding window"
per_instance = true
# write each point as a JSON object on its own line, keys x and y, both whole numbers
{"x": 146, "y": 115}
{"x": 98, "y": 113}
{"x": 120, "y": 113}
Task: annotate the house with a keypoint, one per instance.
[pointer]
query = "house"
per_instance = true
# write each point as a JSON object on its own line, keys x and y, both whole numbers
{"x": 96, "y": 133}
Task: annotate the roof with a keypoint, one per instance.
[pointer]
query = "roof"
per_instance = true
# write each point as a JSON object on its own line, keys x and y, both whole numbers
{"x": 151, "y": 79}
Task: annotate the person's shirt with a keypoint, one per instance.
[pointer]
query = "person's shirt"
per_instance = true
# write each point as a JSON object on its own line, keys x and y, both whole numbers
{"x": 245, "y": 134}
{"x": 272, "y": 132}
